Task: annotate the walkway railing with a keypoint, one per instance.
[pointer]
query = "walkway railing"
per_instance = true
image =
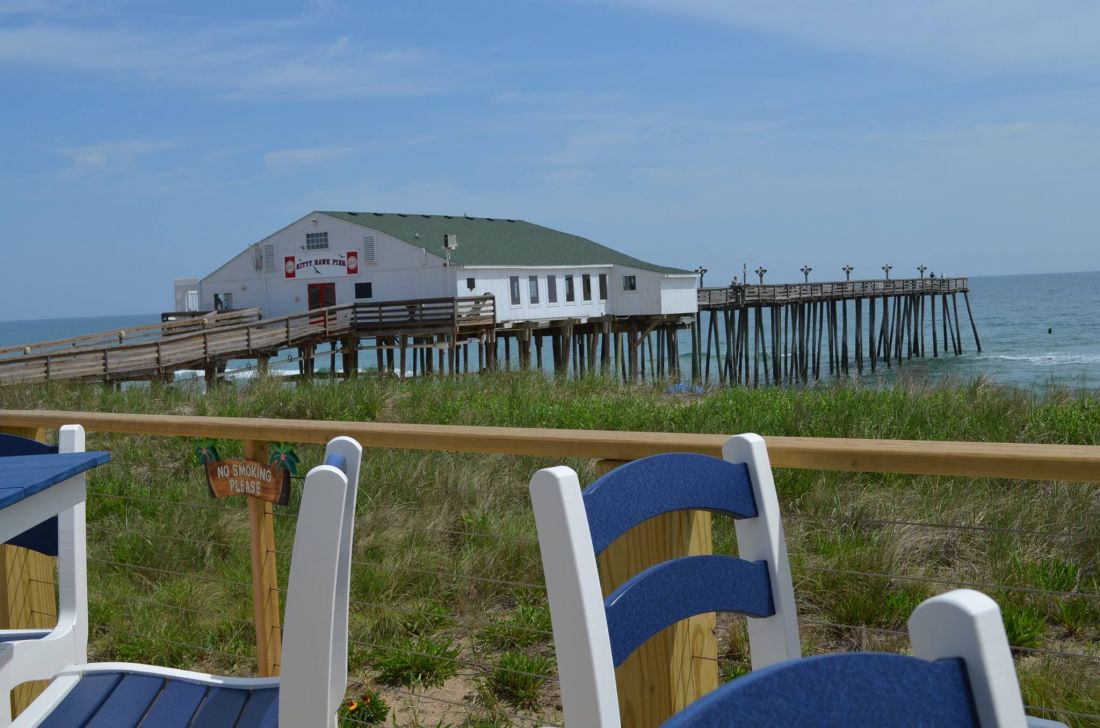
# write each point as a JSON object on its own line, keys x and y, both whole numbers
{"x": 1015, "y": 461}
{"x": 133, "y": 334}
{"x": 772, "y": 294}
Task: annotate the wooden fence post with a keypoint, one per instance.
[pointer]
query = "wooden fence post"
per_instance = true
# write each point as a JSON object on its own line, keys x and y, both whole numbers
{"x": 265, "y": 580}
{"x": 28, "y": 590}
{"x": 680, "y": 663}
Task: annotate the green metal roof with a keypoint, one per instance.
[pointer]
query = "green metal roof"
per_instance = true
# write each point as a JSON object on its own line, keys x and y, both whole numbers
{"x": 494, "y": 241}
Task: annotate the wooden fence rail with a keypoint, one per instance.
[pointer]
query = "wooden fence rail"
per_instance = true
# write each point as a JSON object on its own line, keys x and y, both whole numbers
{"x": 657, "y": 690}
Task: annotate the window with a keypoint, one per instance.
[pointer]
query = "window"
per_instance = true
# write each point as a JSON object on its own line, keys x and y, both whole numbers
{"x": 364, "y": 290}
{"x": 551, "y": 289}
{"x": 513, "y": 286}
{"x": 316, "y": 241}
{"x": 569, "y": 293}
{"x": 586, "y": 286}
{"x": 533, "y": 288}
{"x": 630, "y": 283}
{"x": 471, "y": 284}
{"x": 603, "y": 286}
{"x": 223, "y": 302}
{"x": 368, "y": 249}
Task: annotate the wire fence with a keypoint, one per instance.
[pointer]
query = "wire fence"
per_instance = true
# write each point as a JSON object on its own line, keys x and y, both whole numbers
{"x": 449, "y": 623}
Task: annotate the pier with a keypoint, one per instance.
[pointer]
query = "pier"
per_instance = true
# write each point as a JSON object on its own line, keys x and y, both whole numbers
{"x": 817, "y": 329}
{"x": 743, "y": 334}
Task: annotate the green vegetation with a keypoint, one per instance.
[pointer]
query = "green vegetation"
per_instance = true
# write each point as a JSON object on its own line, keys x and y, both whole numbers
{"x": 426, "y": 661}
{"x": 518, "y": 677}
{"x": 447, "y": 578}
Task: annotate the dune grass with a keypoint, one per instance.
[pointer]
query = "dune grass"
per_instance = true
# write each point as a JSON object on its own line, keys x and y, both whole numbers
{"x": 447, "y": 578}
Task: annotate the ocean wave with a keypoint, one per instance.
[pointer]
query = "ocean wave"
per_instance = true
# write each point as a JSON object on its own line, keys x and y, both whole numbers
{"x": 1049, "y": 360}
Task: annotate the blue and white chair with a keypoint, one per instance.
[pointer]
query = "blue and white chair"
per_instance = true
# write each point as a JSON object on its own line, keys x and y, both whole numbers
{"x": 315, "y": 640}
{"x": 961, "y": 676}
{"x": 593, "y": 635}
{"x": 41, "y": 653}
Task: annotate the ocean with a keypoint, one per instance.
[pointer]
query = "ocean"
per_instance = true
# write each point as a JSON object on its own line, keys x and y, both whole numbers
{"x": 1036, "y": 331}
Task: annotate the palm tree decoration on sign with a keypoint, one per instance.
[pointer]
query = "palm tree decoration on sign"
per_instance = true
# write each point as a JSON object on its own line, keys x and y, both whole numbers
{"x": 284, "y": 455}
{"x": 206, "y": 451}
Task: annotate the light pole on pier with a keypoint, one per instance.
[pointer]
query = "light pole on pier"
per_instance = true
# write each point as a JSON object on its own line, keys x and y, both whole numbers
{"x": 847, "y": 272}
{"x": 702, "y": 272}
{"x": 922, "y": 269}
{"x": 760, "y": 272}
{"x": 886, "y": 269}
{"x": 806, "y": 273}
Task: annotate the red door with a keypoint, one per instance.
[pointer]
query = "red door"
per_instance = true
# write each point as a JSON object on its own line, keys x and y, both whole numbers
{"x": 321, "y": 295}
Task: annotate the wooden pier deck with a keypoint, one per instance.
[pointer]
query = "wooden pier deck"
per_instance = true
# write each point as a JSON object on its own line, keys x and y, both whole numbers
{"x": 208, "y": 346}
{"x": 808, "y": 327}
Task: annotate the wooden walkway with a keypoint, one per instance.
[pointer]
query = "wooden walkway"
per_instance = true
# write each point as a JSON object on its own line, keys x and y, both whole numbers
{"x": 806, "y": 326}
{"x": 208, "y": 344}
{"x": 133, "y": 334}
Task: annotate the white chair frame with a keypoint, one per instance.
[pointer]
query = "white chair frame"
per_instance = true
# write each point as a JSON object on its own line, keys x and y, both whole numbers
{"x": 582, "y": 643}
{"x": 43, "y": 653}
{"x": 314, "y": 667}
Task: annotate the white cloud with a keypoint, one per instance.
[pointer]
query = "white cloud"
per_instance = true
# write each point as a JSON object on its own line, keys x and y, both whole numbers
{"x": 987, "y": 34}
{"x": 245, "y": 59}
{"x": 281, "y": 159}
{"x": 98, "y": 160}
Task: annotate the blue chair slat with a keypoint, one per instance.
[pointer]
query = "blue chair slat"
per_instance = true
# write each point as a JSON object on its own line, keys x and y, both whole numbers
{"x": 220, "y": 709}
{"x": 30, "y": 635}
{"x": 680, "y": 588}
{"x": 43, "y": 537}
{"x": 25, "y": 475}
{"x": 262, "y": 710}
{"x": 15, "y": 445}
{"x": 83, "y": 701}
{"x": 338, "y": 461}
{"x": 176, "y": 705}
{"x": 128, "y": 702}
{"x": 852, "y": 689}
{"x": 671, "y": 482}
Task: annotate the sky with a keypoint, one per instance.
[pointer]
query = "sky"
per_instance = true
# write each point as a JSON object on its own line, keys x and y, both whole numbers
{"x": 145, "y": 141}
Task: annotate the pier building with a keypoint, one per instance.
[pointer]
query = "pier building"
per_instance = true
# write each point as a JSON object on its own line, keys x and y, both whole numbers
{"x": 534, "y": 273}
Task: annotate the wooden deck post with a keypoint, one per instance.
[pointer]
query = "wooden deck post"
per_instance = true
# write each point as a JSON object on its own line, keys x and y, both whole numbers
{"x": 28, "y": 590}
{"x": 680, "y": 663}
{"x": 265, "y": 580}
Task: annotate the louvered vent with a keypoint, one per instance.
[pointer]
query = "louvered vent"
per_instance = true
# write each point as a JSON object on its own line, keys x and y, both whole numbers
{"x": 269, "y": 258}
{"x": 368, "y": 249}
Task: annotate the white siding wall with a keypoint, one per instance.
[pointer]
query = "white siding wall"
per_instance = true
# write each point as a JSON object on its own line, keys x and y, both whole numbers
{"x": 496, "y": 282}
{"x": 400, "y": 270}
{"x": 655, "y": 293}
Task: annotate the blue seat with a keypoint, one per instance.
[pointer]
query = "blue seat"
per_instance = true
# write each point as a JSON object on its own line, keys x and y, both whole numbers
{"x": 961, "y": 677}
{"x": 593, "y": 635}
{"x": 110, "y": 699}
